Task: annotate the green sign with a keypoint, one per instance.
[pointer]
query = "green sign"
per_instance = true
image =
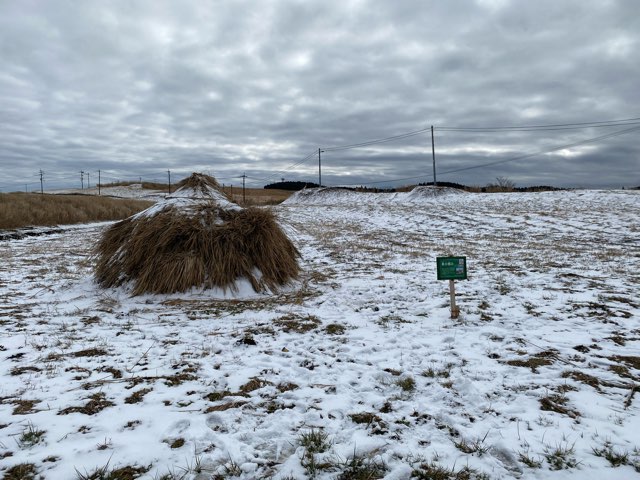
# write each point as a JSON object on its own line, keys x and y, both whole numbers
{"x": 452, "y": 268}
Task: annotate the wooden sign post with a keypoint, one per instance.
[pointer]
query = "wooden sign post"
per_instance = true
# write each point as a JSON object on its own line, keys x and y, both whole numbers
{"x": 452, "y": 268}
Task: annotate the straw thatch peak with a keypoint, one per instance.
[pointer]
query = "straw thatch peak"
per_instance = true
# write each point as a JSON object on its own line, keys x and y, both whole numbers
{"x": 191, "y": 194}
{"x": 201, "y": 186}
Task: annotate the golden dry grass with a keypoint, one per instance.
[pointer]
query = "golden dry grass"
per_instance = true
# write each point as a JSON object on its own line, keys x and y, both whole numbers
{"x": 173, "y": 250}
{"x": 19, "y": 210}
{"x": 252, "y": 196}
{"x": 257, "y": 196}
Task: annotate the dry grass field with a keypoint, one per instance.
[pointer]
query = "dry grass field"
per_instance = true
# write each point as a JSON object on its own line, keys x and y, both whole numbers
{"x": 19, "y": 210}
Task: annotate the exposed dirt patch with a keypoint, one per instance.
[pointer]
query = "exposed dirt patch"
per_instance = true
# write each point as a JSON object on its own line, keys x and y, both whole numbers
{"x": 297, "y": 323}
{"x": 24, "y": 471}
{"x": 536, "y": 361}
{"x": 287, "y": 387}
{"x": 371, "y": 420}
{"x": 225, "y": 406}
{"x": 633, "y": 362}
{"x": 113, "y": 371}
{"x": 557, "y": 403}
{"x": 177, "y": 443}
{"x": 251, "y": 385}
{"x": 97, "y": 402}
{"x": 90, "y": 352}
{"x": 26, "y": 369}
{"x": 136, "y": 397}
{"x": 583, "y": 378}
{"x": 24, "y": 407}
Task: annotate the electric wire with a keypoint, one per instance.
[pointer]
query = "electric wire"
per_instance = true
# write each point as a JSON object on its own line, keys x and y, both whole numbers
{"x": 521, "y": 157}
{"x": 556, "y": 126}
{"x": 376, "y": 141}
{"x": 542, "y": 152}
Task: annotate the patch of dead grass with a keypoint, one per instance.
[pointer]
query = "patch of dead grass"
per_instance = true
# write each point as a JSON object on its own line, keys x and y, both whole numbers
{"x": 536, "y": 361}
{"x": 24, "y": 407}
{"x": 225, "y": 406}
{"x": 297, "y": 323}
{"x": 136, "y": 397}
{"x": 97, "y": 402}
{"x": 22, "y": 471}
{"x": 557, "y": 403}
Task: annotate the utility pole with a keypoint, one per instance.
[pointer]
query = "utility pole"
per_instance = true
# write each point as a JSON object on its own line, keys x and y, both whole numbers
{"x": 319, "y": 168}
{"x": 244, "y": 175}
{"x": 82, "y": 179}
{"x": 98, "y": 182}
{"x": 169, "y": 173}
{"x": 41, "y": 182}
{"x": 88, "y": 180}
{"x": 433, "y": 154}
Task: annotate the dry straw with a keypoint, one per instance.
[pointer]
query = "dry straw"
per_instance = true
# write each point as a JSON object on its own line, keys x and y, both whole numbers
{"x": 196, "y": 238}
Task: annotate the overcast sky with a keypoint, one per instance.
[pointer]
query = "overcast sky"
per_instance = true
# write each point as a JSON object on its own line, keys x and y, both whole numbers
{"x": 136, "y": 88}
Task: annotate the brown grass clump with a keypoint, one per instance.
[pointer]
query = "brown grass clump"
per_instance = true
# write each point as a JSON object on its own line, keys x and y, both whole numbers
{"x": 19, "y": 210}
{"x": 206, "y": 242}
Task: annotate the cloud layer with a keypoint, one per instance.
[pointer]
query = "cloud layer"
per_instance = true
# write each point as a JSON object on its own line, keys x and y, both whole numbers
{"x": 138, "y": 88}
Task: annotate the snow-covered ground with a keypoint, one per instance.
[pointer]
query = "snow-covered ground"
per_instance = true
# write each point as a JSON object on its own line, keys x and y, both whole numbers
{"x": 356, "y": 370}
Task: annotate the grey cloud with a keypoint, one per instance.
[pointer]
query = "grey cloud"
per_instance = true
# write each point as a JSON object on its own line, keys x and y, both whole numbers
{"x": 136, "y": 88}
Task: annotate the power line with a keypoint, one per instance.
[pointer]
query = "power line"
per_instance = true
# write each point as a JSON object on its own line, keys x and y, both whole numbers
{"x": 376, "y": 141}
{"x": 290, "y": 167}
{"x": 556, "y": 126}
{"x": 521, "y": 157}
{"x": 542, "y": 152}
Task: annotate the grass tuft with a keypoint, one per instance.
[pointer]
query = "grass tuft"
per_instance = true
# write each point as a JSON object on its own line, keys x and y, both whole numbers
{"x": 314, "y": 441}
{"x": 561, "y": 457}
{"x": 30, "y": 436}
{"x": 476, "y": 446}
{"x": 434, "y": 471}
{"x": 360, "y": 467}
{"x": 129, "y": 472}
{"x": 616, "y": 459}
{"x": 23, "y": 471}
{"x": 407, "y": 384}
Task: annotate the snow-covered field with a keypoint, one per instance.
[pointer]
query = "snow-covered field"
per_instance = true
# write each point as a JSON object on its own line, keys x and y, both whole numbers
{"x": 356, "y": 372}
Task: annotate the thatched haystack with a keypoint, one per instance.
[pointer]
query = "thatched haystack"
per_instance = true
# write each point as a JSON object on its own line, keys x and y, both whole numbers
{"x": 196, "y": 238}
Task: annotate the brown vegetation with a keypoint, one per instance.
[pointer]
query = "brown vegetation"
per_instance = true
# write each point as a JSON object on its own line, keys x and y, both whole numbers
{"x": 251, "y": 196}
{"x": 173, "y": 249}
{"x": 19, "y": 210}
